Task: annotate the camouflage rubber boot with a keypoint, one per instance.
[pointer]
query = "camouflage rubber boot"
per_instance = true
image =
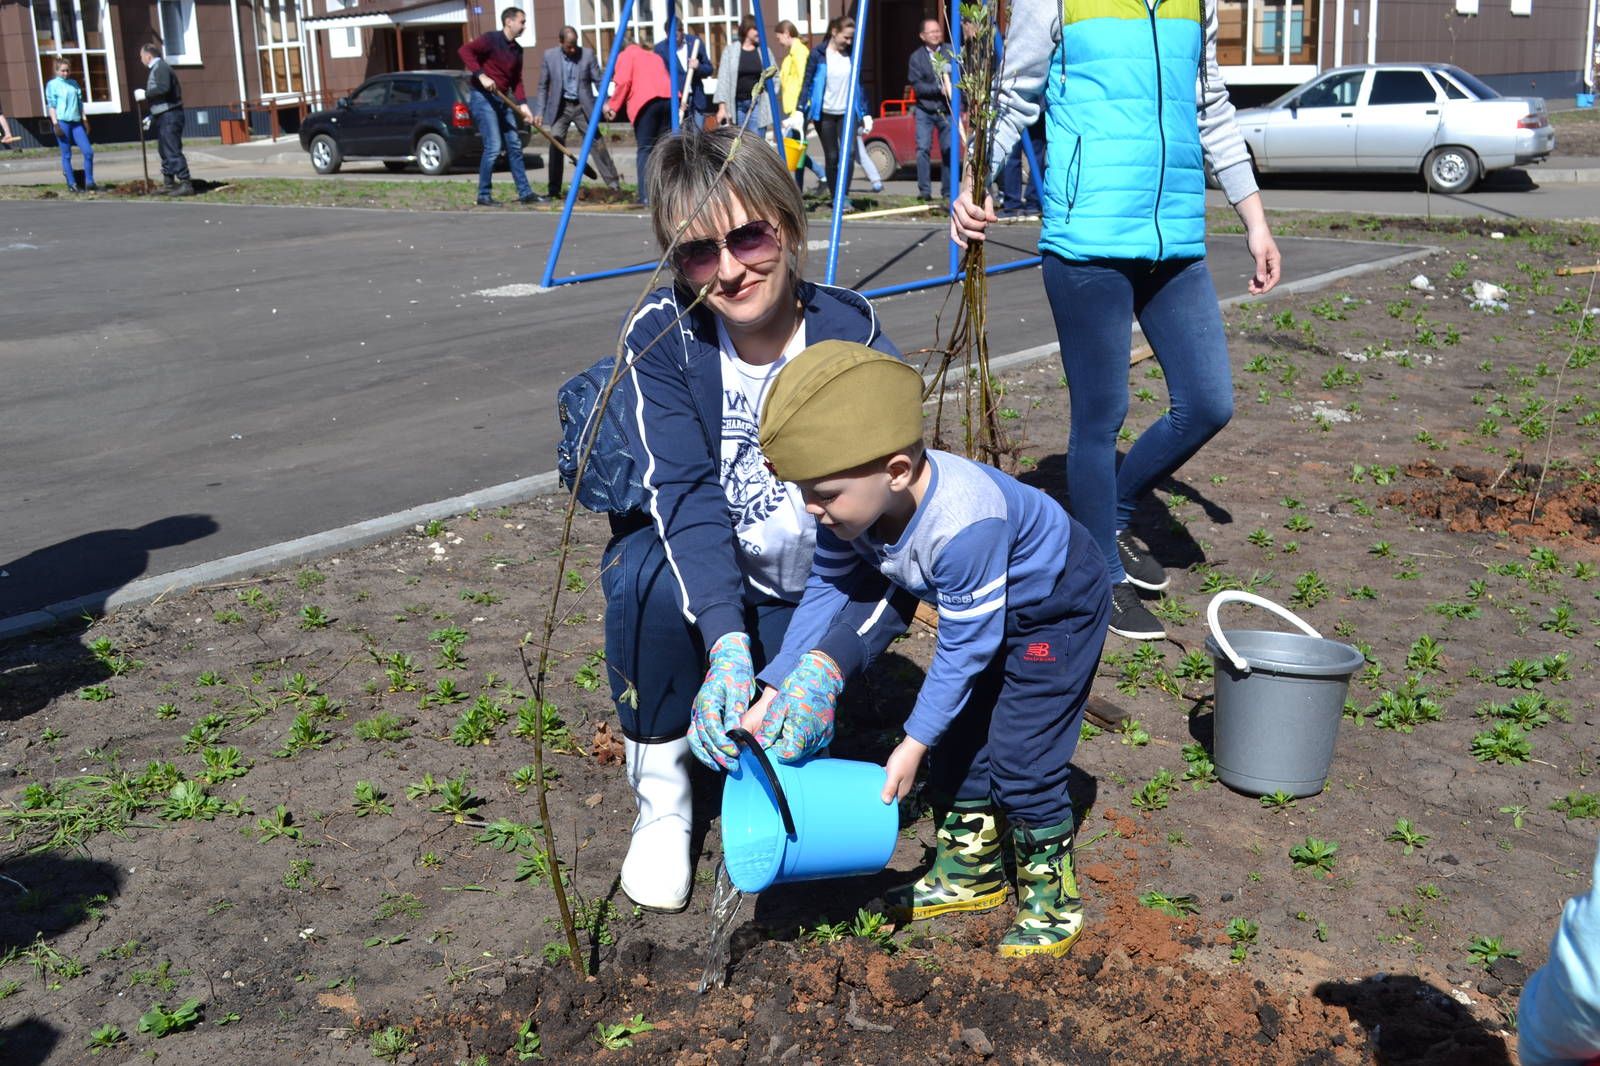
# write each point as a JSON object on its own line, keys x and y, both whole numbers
{"x": 1049, "y": 914}
{"x": 968, "y": 871}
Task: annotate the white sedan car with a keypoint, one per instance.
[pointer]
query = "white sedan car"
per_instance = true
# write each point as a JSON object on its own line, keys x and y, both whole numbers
{"x": 1401, "y": 118}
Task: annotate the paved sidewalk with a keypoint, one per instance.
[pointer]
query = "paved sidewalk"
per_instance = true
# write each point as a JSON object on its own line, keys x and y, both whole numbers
{"x": 284, "y": 158}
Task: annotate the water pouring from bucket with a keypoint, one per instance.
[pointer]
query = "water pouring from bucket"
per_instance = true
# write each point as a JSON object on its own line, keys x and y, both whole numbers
{"x": 803, "y": 821}
{"x": 1279, "y": 700}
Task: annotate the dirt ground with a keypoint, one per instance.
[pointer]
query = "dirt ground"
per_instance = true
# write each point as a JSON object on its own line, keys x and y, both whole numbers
{"x": 302, "y": 800}
{"x": 1577, "y": 132}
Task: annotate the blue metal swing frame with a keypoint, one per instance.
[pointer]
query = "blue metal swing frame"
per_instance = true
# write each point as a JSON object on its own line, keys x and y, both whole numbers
{"x": 847, "y": 136}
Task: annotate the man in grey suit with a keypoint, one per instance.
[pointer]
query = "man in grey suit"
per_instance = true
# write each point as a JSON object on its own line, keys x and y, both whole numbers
{"x": 567, "y": 81}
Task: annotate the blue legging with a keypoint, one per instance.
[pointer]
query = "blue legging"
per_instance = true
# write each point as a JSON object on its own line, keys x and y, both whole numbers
{"x": 1094, "y": 303}
{"x": 76, "y": 133}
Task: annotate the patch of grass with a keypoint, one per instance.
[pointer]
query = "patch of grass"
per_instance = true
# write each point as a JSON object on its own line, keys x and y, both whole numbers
{"x": 1317, "y": 856}
{"x": 390, "y": 1043}
{"x": 369, "y": 799}
{"x": 620, "y": 1035}
{"x": 1504, "y": 743}
{"x": 1487, "y": 949}
{"x": 1407, "y": 834}
{"x": 382, "y": 727}
{"x": 1578, "y": 805}
{"x": 1173, "y": 906}
{"x": 160, "y": 1022}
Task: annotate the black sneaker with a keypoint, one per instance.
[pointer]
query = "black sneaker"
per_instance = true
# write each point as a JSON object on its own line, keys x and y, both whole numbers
{"x": 1129, "y": 616}
{"x": 1141, "y": 570}
{"x": 488, "y": 201}
{"x": 533, "y": 198}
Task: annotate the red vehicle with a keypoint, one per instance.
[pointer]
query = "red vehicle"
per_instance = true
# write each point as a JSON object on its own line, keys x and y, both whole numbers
{"x": 892, "y": 144}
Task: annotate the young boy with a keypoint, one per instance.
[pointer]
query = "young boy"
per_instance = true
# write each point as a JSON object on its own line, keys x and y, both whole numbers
{"x": 1023, "y": 600}
{"x": 64, "y": 99}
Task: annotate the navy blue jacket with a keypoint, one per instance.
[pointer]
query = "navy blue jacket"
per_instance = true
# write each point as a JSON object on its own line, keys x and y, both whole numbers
{"x": 925, "y": 80}
{"x": 695, "y": 76}
{"x": 676, "y": 431}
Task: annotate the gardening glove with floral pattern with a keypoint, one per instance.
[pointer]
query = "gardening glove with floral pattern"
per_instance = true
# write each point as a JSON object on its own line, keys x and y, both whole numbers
{"x": 724, "y": 695}
{"x": 799, "y": 721}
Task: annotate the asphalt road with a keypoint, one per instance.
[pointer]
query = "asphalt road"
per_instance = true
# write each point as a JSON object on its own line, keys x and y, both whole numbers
{"x": 187, "y": 381}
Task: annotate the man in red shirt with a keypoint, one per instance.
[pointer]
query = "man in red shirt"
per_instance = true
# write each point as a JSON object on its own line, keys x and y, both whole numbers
{"x": 640, "y": 88}
{"x": 496, "y": 60}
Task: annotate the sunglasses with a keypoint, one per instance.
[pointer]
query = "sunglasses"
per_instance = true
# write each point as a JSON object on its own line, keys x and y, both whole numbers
{"x": 751, "y": 243}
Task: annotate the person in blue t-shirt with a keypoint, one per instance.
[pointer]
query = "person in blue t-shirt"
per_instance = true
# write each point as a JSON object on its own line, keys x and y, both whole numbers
{"x": 64, "y": 99}
{"x": 1023, "y": 598}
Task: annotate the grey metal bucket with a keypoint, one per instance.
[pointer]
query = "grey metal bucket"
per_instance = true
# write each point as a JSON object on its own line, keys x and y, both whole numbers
{"x": 1279, "y": 700}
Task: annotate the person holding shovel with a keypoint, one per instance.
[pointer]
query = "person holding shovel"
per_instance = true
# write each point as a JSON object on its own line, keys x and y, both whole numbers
{"x": 701, "y": 581}
{"x": 1022, "y": 596}
{"x": 164, "y": 98}
{"x": 1137, "y": 114}
{"x": 565, "y": 100}
{"x": 694, "y": 67}
{"x": 63, "y": 98}
{"x": 495, "y": 61}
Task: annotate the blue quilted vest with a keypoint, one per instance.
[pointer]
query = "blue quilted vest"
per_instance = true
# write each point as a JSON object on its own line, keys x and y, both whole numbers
{"x": 1125, "y": 174}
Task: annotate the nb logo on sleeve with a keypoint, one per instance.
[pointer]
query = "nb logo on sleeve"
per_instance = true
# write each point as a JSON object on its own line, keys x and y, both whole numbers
{"x": 1038, "y": 652}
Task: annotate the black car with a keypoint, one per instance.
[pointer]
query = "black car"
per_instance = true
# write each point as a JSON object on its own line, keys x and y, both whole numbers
{"x": 416, "y": 117}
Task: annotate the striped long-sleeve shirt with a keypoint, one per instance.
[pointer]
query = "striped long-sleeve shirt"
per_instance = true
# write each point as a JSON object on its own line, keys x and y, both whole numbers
{"x": 981, "y": 547}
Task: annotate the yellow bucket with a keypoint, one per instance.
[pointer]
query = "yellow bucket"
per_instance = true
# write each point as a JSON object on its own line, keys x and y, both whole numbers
{"x": 794, "y": 149}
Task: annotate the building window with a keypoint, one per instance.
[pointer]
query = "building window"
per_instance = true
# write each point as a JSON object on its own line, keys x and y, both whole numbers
{"x": 344, "y": 42}
{"x": 180, "y": 34}
{"x": 1522, "y": 7}
{"x": 809, "y": 16}
{"x": 280, "y": 47}
{"x": 714, "y": 21}
{"x": 79, "y": 32}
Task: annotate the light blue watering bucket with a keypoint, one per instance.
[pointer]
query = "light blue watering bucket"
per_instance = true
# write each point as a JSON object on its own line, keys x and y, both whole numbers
{"x": 803, "y": 821}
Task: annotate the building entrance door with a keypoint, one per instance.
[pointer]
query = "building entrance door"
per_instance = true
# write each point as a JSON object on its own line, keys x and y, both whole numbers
{"x": 431, "y": 48}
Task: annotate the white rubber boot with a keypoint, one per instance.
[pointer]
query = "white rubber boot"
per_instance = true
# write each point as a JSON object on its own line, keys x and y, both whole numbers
{"x": 656, "y": 873}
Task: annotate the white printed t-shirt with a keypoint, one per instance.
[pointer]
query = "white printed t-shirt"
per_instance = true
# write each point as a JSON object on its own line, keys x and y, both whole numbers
{"x": 776, "y": 536}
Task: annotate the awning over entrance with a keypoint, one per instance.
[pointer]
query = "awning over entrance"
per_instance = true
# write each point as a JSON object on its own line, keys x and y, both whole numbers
{"x": 426, "y": 13}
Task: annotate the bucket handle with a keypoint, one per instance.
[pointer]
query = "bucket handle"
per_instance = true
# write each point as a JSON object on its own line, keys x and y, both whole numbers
{"x": 743, "y": 738}
{"x": 1238, "y": 661}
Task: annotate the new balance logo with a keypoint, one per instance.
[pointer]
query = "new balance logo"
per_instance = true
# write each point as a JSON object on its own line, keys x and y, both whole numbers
{"x": 1038, "y": 652}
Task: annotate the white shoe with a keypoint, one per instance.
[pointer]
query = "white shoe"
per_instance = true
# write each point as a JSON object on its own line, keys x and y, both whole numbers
{"x": 656, "y": 873}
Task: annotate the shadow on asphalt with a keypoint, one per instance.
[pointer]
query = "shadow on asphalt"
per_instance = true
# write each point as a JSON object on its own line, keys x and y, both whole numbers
{"x": 94, "y": 564}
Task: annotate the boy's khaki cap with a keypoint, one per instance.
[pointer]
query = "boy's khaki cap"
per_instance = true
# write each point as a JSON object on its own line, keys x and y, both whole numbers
{"x": 838, "y": 405}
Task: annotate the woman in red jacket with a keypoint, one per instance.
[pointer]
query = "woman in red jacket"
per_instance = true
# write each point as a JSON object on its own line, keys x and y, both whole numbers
{"x": 640, "y": 89}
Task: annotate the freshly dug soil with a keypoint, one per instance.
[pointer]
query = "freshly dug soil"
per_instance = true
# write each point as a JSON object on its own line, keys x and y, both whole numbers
{"x": 1519, "y": 499}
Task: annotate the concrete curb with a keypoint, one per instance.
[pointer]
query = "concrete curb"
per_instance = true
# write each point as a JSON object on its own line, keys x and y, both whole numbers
{"x": 233, "y": 567}
{"x": 1547, "y": 175}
